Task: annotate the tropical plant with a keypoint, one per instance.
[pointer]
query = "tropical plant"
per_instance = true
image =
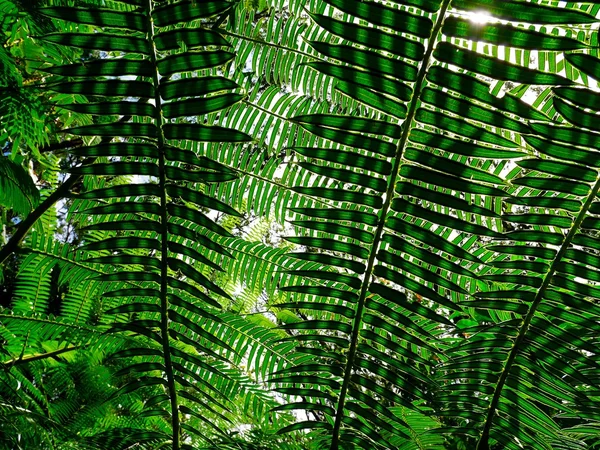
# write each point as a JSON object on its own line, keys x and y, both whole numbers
{"x": 431, "y": 165}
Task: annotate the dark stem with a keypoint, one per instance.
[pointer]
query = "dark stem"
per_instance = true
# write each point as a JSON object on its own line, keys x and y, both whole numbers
{"x": 378, "y": 235}
{"x": 62, "y": 191}
{"x": 72, "y": 143}
{"x": 164, "y": 235}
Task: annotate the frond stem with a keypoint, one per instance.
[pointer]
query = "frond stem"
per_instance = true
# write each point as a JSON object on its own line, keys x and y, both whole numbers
{"x": 268, "y": 44}
{"x": 266, "y": 111}
{"x": 281, "y": 186}
{"x": 164, "y": 234}
{"x": 28, "y": 359}
{"x": 378, "y": 235}
{"x": 483, "y": 441}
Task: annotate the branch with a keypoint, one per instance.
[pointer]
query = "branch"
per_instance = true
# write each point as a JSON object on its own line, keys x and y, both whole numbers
{"x": 27, "y": 359}
{"x": 13, "y": 244}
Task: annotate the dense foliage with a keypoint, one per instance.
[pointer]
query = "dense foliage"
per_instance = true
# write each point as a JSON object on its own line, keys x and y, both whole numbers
{"x": 299, "y": 224}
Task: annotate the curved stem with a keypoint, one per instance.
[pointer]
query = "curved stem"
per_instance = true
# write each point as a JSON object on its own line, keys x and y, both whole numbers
{"x": 164, "y": 234}
{"x": 268, "y": 44}
{"x": 335, "y": 441}
{"x": 23, "y": 228}
{"x": 483, "y": 441}
{"x": 31, "y": 358}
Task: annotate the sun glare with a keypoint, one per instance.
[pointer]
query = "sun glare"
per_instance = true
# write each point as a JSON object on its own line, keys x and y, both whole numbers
{"x": 480, "y": 17}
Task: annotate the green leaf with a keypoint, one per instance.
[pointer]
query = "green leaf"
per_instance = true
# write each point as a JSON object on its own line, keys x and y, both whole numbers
{"x": 429, "y": 238}
{"x": 200, "y": 106}
{"x": 554, "y": 184}
{"x": 533, "y": 13}
{"x": 126, "y": 259}
{"x": 353, "y": 282}
{"x": 413, "y": 190}
{"x": 191, "y": 61}
{"x": 338, "y": 214}
{"x": 99, "y": 17}
{"x": 118, "y": 168}
{"x": 113, "y": 108}
{"x": 403, "y": 206}
{"x": 108, "y": 88}
{"x": 341, "y": 195}
{"x": 351, "y": 123}
{"x": 374, "y": 99}
{"x": 347, "y": 176}
{"x": 193, "y": 274}
{"x": 460, "y": 147}
{"x": 127, "y": 190}
{"x": 558, "y": 168}
{"x": 568, "y": 135}
{"x": 495, "y": 68}
{"x": 335, "y": 228}
{"x": 103, "y": 67}
{"x": 367, "y": 60}
{"x": 509, "y": 35}
{"x": 136, "y": 308}
{"x": 461, "y": 127}
{"x": 187, "y": 10}
{"x": 318, "y": 325}
{"x": 172, "y": 40}
{"x": 575, "y": 115}
{"x": 372, "y": 37}
{"x": 204, "y": 133}
{"x": 336, "y": 261}
{"x": 101, "y": 41}
{"x": 468, "y": 110}
{"x": 196, "y": 217}
{"x": 429, "y": 159}
{"x": 116, "y": 129}
{"x": 586, "y": 63}
{"x": 330, "y": 244}
{"x": 363, "y": 78}
{"x": 170, "y": 90}
{"x": 385, "y": 16}
{"x": 473, "y": 88}
{"x": 583, "y": 98}
{"x": 351, "y": 139}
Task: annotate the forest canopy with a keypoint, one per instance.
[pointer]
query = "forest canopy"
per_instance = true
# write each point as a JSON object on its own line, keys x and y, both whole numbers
{"x": 299, "y": 224}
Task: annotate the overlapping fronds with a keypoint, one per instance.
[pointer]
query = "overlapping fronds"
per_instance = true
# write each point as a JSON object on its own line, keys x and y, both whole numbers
{"x": 436, "y": 171}
{"x": 450, "y": 210}
{"x": 148, "y": 238}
